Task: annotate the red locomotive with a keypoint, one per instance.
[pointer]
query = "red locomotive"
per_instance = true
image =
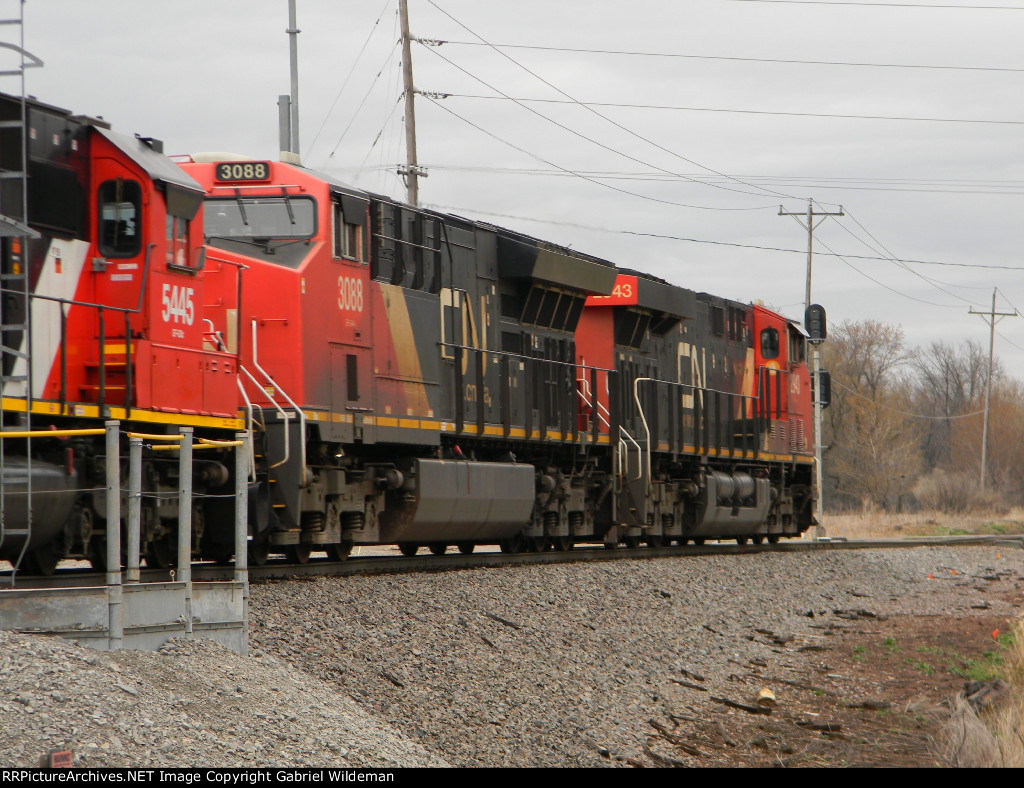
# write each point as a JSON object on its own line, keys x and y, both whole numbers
{"x": 409, "y": 377}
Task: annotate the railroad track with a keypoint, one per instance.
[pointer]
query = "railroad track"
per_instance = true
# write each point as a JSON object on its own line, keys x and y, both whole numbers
{"x": 390, "y": 564}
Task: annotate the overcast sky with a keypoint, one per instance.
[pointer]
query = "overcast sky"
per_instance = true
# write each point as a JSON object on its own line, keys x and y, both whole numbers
{"x": 929, "y": 171}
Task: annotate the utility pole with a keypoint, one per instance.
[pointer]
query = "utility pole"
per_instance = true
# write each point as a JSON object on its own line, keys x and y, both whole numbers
{"x": 990, "y": 318}
{"x": 816, "y": 353}
{"x": 411, "y": 171}
{"x": 811, "y": 227}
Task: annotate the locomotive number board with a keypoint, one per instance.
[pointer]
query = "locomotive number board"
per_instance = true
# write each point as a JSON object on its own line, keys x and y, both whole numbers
{"x": 243, "y": 171}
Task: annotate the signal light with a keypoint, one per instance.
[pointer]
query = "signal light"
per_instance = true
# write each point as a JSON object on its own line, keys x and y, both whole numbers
{"x": 815, "y": 323}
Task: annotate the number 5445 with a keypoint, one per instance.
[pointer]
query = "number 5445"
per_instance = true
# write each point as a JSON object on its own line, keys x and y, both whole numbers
{"x": 178, "y": 304}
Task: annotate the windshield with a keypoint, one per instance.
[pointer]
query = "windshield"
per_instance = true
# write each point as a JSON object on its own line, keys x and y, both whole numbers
{"x": 259, "y": 218}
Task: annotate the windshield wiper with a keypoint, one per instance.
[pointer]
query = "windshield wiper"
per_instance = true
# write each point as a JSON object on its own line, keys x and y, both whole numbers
{"x": 288, "y": 204}
{"x": 241, "y": 206}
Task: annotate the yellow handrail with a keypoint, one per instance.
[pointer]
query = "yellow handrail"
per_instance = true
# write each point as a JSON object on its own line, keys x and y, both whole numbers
{"x": 51, "y": 433}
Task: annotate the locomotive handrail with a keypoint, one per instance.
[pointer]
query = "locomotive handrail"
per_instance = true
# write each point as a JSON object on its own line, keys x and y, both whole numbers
{"x": 50, "y": 433}
{"x": 520, "y": 356}
{"x": 284, "y": 415}
{"x": 764, "y": 395}
{"x": 289, "y": 400}
{"x": 249, "y": 408}
{"x": 622, "y": 465}
{"x": 647, "y": 429}
{"x": 695, "y": 389}
{"x": 596, "y": 404}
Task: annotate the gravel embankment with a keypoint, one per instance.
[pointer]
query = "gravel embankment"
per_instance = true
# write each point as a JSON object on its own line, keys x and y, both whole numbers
{"x": 194, "y": 703}
{"x": 547, "y": 665}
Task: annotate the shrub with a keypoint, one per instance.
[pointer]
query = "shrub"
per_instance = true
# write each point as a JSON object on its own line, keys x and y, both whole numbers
{"x": 956, "y": 493}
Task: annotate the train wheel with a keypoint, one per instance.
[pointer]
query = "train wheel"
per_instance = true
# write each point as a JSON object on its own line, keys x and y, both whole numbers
{"x": 655, "y": 540}
{"x": 611, "y": 545}
{"x": 438, "y": 549}
{"x": 408, "y": 549}
{"x": 258, "y": 553}
{"x": 741, "y": 540}
{"x": 773, "y": 538}
{"x": 698, "y": 542}
{"x": 298, "y": 553}
{"x": 339, "y": 552}
{"x": 535, "y": 544}
{"x": 97, "y": 554}
{"x": 682, "y": 540}
{"x": 562, "y": 544}
{"x": 160, "y": 553}
{"x": 515, "y": 544}
{"x": 465, "y": 547}
{"x": 632, "y": 542}
{"x": 43, "y": 561}
{"x": 757, "y": 538}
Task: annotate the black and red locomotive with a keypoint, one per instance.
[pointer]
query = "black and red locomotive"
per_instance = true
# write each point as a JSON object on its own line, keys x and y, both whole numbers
{"x": 408, "y": 377}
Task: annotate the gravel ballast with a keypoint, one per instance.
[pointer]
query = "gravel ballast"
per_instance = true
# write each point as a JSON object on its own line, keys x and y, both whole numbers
{"x": 545, "y": 665}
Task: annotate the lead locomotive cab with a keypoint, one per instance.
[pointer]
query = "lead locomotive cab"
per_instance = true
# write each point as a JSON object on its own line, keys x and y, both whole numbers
{"x": 111, "y": 262}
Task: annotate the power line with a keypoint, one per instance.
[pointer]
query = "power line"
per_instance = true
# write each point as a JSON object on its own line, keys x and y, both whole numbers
{"x": 351, "y": 71}
{"x": 590, "y": 109}
{"x": 898, "y": 262}
{"x": 846, "y": 262}
{"x": 677, "y": 55}
{"x": 890, "y": 5}
{"x": 361, "y": 104}
{"x": 829, "y": 253}
{"x": 571, "y": 172}
{"x": 1013, "y": 188}
{"x": 434, "y": 99}
{"x": 880, "y": 406}
{"x": 740, "y": 111}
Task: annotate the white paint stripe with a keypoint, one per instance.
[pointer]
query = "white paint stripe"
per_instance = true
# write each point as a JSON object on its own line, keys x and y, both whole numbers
{"x": 46, "y": 314}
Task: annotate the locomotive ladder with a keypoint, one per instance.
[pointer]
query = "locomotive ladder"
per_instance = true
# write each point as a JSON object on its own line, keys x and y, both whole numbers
{"x": 15, "y": 311}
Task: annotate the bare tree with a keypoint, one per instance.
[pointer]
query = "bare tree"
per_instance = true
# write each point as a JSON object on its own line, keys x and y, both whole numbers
{"x": 951, "y": 382}
{"x": 873, "y": 450}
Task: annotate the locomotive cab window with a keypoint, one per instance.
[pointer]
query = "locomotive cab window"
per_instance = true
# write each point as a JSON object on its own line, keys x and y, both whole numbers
{"x": 348, "y": 237}
{"x": 177, "y": 242}
{"x": 797, "y": 347}
{"x": 271, "y": 227}
{"x": 120, "y": 214}
{"x": 770, "y": 343}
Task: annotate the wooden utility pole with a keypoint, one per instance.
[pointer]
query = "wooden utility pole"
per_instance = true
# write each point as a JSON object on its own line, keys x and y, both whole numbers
{"x": 411, "y": 171}
{"x": 811, "y": 226}
{"x": 990, "y": 318}
{"x": 816, "y": 353}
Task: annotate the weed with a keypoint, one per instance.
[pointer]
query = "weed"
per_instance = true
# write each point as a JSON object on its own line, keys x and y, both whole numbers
{"x": 922, "y": 666}
{"x": 890, "y": 645}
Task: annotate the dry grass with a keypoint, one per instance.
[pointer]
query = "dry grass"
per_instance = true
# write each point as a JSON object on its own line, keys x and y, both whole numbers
{"x": 867, "y": 525}
{"x": 1007, "y": 720}
{"x": 995, "y": 736}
